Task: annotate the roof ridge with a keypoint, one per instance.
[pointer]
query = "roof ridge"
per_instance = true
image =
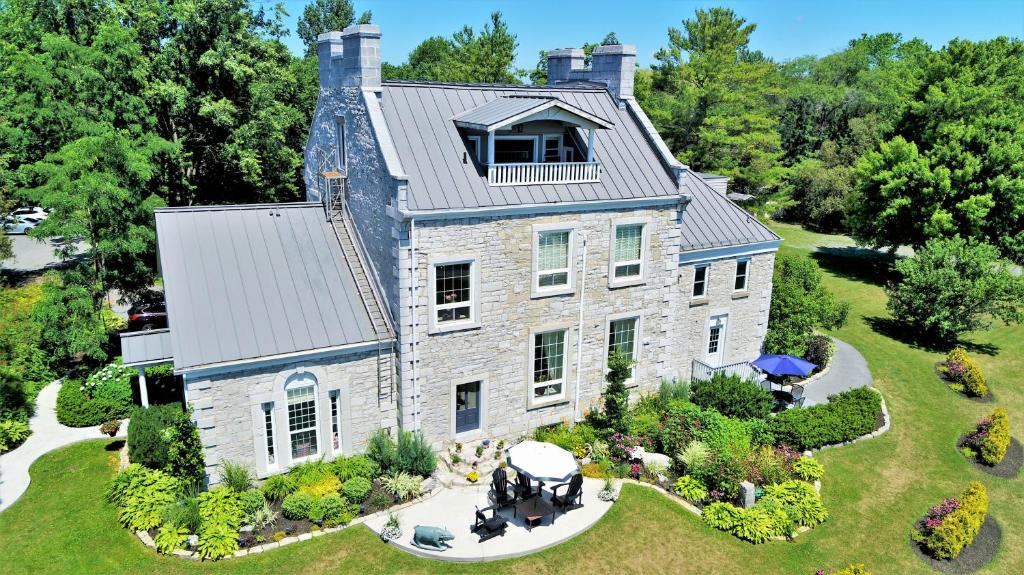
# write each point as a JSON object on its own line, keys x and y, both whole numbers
{"x": 479, "y": 85}
{"x": 239, "y": 207}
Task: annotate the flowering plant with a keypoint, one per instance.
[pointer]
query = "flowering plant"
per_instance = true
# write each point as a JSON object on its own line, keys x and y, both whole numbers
{"x": 473, "y": 476}
{"x": 939, "y": 512}
{"x": 110, "y": 427}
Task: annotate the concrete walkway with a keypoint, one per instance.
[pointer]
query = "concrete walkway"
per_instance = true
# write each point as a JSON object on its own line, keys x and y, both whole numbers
{"x": 848, "y": 371}
{"x": 47, "y": 435}
{"x": 454, "y": 509}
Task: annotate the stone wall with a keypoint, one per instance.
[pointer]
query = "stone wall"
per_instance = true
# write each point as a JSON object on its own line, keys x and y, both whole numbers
{"x": 497, "y": 352}
{"x": 370, "y": 187}
{"x": 747, "y": 311}
{"x": 228, "y": 410}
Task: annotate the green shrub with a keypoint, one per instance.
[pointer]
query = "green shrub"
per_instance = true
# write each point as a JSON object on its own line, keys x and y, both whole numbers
{"x": 221, "y": 505}
{"x": 357, "y": 489}
{"x": 112, "y": 383}
{"x": 297, "y": 505}
{"x": 800, "y": 304}
{"x": 277, "y": 487}
{"x": 169, "y": 538}
{"x": 356, "y": 466}
{"x": 954, "y": 524}
{"x": 808, "y": 469}
{"x": 184, "y": 512}
{"x": 572, "y": 439}
{"x": 236, "y": 476}
{"x": 185, "y": 450}
{"x": 722, "y": 516}
{"x": 142, "y": 496}
{"x": 755, "y": 525}
{"x": 690, "y": 489}
{"x": 148, "y": 434}
{"x": 251, "y": 502}
{"x": 327, "y": 509}
{"x": 962, "y": 369}
{"x": 382, "y": 451}
{"x": 217, "y": 540}
{"x": 672, "y": 390}
{"x": 12, "y": 433}
{"x": 993, "y": 448}
{"x": 732, "y": 396}
{"x": 854, "y": 569}
{"x": 820, "y": 350}
{"x": 801, "y": 498}
{"x": 414, "y": 455}
{"x": 846, "y": 416}
{"x": 74, "y": 409}
{"x": 312, "y": 472}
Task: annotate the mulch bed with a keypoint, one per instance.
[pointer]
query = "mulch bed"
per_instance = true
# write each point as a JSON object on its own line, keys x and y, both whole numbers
{"x": 1010, "y": 466}
{"x": 990, "y": 398}
{"x": 973, "y": 557}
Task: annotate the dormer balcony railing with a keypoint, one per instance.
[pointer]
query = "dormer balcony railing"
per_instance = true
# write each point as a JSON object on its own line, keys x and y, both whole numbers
{"x": 547, "y": 173}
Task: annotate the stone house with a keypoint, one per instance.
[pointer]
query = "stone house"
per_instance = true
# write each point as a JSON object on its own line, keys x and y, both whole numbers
{"x": 468, "y": 256}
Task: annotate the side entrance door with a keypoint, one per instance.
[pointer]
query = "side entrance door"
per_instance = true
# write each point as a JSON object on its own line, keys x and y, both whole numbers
{"x": 715, "y": 346}
{"x": 467, "y": 407}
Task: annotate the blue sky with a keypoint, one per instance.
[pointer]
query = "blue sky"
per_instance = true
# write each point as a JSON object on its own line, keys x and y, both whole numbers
{"x": 785, "y": 28}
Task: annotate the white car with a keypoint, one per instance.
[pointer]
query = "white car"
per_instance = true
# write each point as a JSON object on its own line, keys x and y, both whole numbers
{"x": 20, "y": 224}
{"x": 31, "y": 211}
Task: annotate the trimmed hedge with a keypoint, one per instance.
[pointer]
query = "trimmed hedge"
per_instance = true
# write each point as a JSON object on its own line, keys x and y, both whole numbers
{"x": 12, "y": 433}
{"x": 74, "y": 409}
{"x": 732, "y": 396}
{"x": 148, "y": 439}
{"x": 955, "y": 523}
{"x": 846, "y": 416}
{"x": 963, "y": 370}
{"x": 993, "y": 447}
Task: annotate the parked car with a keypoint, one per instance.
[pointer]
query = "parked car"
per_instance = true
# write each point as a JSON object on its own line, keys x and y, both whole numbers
{"x": 31, "y": 211}
{"x": 145, "y": 316}
{"x": 20, "y": 224}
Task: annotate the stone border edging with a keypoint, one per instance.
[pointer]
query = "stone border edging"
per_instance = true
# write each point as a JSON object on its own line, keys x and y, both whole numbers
{"x": 193, "y": 555}
{"x": 886, "y": 421}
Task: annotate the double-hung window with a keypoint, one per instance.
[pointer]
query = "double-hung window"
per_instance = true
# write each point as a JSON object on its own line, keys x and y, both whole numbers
{"x": 700, "y": 281}
{"x": 628, "y": 245}
{"x": 622, "y": 337}
{"x": 335, "y": 422}
{"x": 553, "y": 271}
{"x": 548, "y": 371}
{"x": 302, "y": 420}
{"x": 742, "y": 271}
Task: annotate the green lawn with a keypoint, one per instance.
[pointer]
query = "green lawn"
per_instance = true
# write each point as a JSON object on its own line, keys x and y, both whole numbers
{"x": 874, "y": 490}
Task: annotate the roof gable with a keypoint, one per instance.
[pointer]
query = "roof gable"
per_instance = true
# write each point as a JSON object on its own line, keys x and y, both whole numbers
{"x": 508, "y": 110}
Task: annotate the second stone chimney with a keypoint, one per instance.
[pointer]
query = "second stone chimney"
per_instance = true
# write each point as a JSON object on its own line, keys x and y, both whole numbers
{"x": 614, "y": 66}
{"x": 350, "y": 58}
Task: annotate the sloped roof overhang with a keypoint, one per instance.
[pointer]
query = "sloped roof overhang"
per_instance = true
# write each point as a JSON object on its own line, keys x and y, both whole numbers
{"x": 503, "y": 112}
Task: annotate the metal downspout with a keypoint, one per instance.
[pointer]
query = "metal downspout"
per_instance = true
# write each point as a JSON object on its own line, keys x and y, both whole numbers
{"x": 414, "y": 280}
{"x": 577, "y": 413}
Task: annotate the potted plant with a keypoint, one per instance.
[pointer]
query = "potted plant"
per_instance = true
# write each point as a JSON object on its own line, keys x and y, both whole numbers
{"x": 110, "y": 427}
{"x": 608, "y": 492}
{"x": 473, "y": 476}
{"x": 392, "y": 529}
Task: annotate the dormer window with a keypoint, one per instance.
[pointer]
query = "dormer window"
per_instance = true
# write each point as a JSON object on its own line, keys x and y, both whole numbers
{"x": 514, "y": 149}
{"x": 473, "y": 147}
{"x": 552, "y": 149}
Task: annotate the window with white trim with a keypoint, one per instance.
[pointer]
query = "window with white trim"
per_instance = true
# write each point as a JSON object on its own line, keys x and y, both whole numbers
{"x": 622, "y": 337}
{"x": 335, "y": 422}
{"x": 628, "y": 251}
{"x": 714, "y": 339}
{"x": 552, "y": 149}
{"x": 341, "y": 155}
{"x": 742, "y": 270}
{"x": 548, "y": 377}
{"x": 453, "y": 292}
{"x": 700, "y": 280}
{"x": 268, "y": 429}
{"x": 553, "y": 259}
{"x": 473, "y": 145}
{"x": 302, "y": 419}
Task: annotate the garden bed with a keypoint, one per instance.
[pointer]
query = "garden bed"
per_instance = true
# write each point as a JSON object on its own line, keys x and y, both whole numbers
{"x": 949, "y": 383}
{"x": 979, "y": 553}
{"x": 1009, "y": 467}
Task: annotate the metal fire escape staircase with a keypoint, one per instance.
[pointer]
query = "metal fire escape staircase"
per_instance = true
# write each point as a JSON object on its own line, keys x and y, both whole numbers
{"x": 333, "y": 187}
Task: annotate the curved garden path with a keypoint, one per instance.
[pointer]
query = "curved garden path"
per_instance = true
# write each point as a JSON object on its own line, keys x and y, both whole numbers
{"x": 849, "y": 371}
{"x": 47, "y": 434}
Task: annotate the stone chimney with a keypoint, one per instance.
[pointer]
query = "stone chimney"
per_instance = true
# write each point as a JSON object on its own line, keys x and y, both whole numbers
{"x": 614, "y": 66}
{"x": 350, "y": 58}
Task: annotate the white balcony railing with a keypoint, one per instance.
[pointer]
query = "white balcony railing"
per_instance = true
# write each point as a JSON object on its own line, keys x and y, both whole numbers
{"x": 554, "y": 173}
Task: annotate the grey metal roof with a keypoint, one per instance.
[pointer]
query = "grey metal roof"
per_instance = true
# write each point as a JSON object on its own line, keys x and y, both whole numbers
{"x": 146, "y": 347}
{"x": 708, "y": 176}
{"x": 501, "y": 111}
{"x": 711, "y": 220}
{"x": 419, "y": 119}
{"x": 243, "y": 282}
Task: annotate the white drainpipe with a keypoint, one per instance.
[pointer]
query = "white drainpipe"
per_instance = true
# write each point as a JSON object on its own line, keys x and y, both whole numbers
{"x": 414, "y": 279}
{"x": 577, "y": 412}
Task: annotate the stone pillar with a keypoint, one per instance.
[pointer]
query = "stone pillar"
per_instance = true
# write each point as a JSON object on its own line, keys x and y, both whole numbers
{"x": 562, "y": 63}
{"x": 616, "y": 66}
{"x": 360, "y": 60}
{"x": 747, "y": 495}
{"x": 143, "y": 392}
{"x": 328, "y": 47}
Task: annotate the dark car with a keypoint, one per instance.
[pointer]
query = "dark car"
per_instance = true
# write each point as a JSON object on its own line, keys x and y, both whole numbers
{"x": 145, "y": 316}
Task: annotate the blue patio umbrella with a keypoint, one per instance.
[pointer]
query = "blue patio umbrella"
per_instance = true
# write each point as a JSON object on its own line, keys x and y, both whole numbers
{"x": 784, "y": 365}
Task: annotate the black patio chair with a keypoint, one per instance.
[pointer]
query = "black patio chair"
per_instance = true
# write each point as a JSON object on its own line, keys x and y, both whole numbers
{"x": 489, "y": 527}
{"x": 523, "y": 487}
{"x": 500, "y": 492}
{"x": 573, "y": 497}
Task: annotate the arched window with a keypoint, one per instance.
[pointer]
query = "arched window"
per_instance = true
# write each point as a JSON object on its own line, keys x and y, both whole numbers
{"x": 303, "y": 424}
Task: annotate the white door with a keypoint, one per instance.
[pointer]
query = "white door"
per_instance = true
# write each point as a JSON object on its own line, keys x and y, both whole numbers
{"x": 714, "y": 347}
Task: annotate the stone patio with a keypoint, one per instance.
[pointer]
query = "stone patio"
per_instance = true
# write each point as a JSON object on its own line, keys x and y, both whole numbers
{"x": 454, "y": 509}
